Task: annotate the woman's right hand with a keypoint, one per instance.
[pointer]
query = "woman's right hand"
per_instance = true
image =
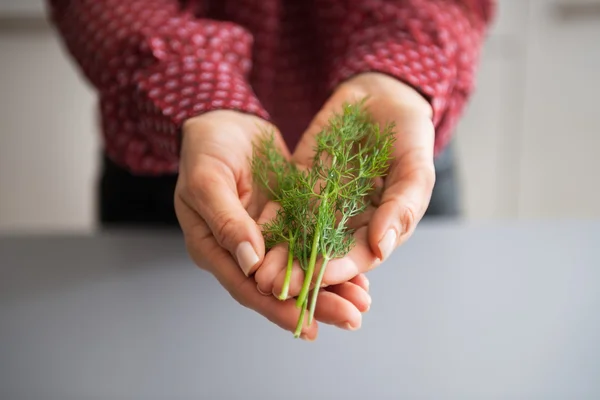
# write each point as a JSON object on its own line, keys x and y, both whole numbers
{"x": 217, "y": 208}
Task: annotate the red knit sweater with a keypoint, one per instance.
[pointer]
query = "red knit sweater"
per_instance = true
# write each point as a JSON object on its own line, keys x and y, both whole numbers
{"x": 156, "y": 63}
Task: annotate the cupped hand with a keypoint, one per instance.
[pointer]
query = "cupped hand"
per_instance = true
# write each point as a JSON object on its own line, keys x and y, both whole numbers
{"x": 217, "y": 208}
{"x": 403, "y": 195}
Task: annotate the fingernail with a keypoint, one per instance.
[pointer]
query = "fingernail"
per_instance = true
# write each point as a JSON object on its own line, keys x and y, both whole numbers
{"x": 386, "y": 245}
{"x": 304, "y": 336}
{"x": 369, "y": 302}
{"x": 260, "y": 291}
{"x": 246, "y": 257}
{"x": 348, "y": 326}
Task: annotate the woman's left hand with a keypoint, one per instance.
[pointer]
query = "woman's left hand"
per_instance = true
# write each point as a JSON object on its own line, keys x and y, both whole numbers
{"x": 405, "y": 191}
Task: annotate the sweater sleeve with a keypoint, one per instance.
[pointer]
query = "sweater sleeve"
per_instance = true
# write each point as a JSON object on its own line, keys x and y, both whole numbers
{"x": 432, "y": 45}
{"x": 155, "y": 65}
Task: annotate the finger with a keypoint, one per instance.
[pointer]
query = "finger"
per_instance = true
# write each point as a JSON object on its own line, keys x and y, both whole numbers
{"x": 336, "y": 313}
{"x": 359, "y": 260}
{"x": 361, "y": 281}
{"x": 207, "y": 253}
{"x": 333, "y": 309}
{"x": 296, "y": 280}
{"x": 405, "y": 199}
{"x": 354, "y": 294}
{"x": 273, "y": 265}
{"x": 284, "y": 314}
{"x": 339, "y": 270}
{"x": 268, "y": 213}
{"x": 256, "y": 203}
{"x": 402, "y": 208}
{"x": 214, "y": 194}
{"x": 276, "y": 258}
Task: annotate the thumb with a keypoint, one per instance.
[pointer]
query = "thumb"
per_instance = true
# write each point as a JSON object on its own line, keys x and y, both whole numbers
{"x": 215, "y": 196}
{"x": 403, "y": 205}
{"x": 406, "y": 194}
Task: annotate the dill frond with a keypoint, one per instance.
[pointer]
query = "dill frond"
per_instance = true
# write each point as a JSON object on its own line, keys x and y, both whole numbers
{"x": 317, "y": 204}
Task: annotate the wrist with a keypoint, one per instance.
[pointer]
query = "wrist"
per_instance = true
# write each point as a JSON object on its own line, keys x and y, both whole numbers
{"x": 380, "y": 85}
{"x": 214, "y": 126}
{"x": 220, "y": 117}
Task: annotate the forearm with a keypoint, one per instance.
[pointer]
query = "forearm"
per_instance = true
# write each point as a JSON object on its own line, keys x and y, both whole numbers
{"x": 155, "y": 66}
{"x": 431, "y": 45}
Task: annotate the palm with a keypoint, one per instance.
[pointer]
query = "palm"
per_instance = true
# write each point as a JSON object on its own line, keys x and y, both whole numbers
{"x": 398, "y": 201}
{"x": 215, "y": 197}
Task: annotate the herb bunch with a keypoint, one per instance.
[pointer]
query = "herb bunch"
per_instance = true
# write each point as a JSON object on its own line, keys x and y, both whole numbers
{"x": 316, "y": 203}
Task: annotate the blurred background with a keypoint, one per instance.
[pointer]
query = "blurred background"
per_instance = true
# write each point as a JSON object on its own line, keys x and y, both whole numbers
{"x": 527, "y": 147}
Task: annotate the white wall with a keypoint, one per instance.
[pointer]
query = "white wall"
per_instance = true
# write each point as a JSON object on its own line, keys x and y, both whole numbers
{"x": 48, "y": 142}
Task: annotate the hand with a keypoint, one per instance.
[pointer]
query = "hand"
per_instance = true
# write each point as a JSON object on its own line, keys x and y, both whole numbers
{"x": 217, "y": 209}
{"x": 404, "y": 193}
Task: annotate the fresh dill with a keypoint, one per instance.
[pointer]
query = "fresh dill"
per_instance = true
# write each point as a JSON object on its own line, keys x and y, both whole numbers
{"x": 317, "y": 203}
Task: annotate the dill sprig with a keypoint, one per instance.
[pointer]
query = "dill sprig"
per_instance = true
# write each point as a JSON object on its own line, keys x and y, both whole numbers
{"x": 316, "y": 204}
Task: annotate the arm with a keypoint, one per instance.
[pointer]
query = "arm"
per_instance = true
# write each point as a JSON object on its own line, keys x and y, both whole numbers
{"x": 431, "y": 45}
{"x": 415, "y": 61}
{"x": 155, "y": 65}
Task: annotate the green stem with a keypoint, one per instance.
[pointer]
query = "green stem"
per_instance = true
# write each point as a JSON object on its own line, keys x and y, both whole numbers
{"x": 298, "y": 330}
{"x": 310, "y": 270}
{"x": 304, "y": 248}
{"x": 315, "y": 293}
{"x": 288, "y": 271}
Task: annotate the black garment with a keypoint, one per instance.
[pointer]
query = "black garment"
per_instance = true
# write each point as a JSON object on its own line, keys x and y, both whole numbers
{"x": 134, "y": 201}
{"x": 445, "y": 199}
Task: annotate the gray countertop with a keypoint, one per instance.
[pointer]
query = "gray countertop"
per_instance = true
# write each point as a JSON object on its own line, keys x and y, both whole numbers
{"x": 496, "y": 311}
